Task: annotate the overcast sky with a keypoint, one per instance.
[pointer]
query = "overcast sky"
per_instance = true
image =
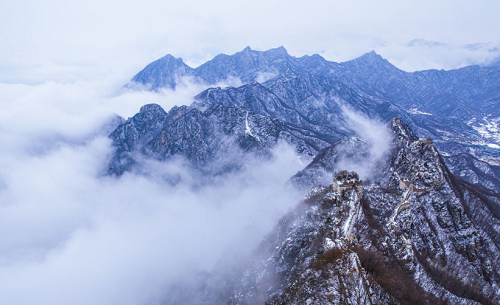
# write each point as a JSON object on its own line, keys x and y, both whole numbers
{"x": 66, "y": 41}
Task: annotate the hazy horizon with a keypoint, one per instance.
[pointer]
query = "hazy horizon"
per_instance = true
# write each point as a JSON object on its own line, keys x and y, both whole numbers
{"x": 78, "y": 41}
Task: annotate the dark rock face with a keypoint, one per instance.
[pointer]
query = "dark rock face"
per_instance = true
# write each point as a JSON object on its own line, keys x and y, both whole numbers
{"x": 165, "y": 72}
{"x": 398, "y": 240}
{"x": 133, "y": 134}
{"x": 457, "y": 108}
{"x": 213, "y": 141}
{"x": 475, "y": 171}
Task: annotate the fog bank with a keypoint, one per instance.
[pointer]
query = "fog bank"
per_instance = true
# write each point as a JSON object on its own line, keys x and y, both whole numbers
{"x": 71, "y": 235}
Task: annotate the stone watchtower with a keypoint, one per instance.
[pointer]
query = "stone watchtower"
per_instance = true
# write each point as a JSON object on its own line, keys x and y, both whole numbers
{"x": 346, "y": 181}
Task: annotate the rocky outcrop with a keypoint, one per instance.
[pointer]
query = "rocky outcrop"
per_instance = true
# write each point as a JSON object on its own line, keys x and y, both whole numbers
{"x": 166, "y": 72}
{"x": 397, "y": 240}
{"x": 214, "y": 140}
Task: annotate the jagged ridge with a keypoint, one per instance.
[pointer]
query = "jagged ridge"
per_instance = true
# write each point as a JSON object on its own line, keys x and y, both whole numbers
{"x": 452, "y": 107}
{"x": 397, "y": 240}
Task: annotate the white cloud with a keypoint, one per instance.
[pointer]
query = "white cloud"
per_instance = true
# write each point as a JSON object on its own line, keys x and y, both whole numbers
{"x": 438, "y": 56}
{"x": 66, "y": 42}
{"x": 70, "y": 235}
{"x": 378, "y": 140}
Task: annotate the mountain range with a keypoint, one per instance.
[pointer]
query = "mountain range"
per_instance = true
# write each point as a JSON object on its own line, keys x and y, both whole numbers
{"x": 458, "y": 109}
{"x": 429, "y": 201}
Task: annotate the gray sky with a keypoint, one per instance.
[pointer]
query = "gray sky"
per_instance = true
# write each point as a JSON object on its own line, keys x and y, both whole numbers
{"x": 66, "y": 41}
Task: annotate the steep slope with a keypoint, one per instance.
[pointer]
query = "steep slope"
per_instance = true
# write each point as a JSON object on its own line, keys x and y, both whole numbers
{"x": 397, "y": 240}
{"x": 457, "y": 108}
{"x": 312, "y": 103}
{"x": 247, "y": 65}
{"x": 474, "y": 171}
{"x": 462, "y": 93}
{"x": 165, "y": 72}
{"x": 213, "y": 141}
{"x": 316, "y": 104}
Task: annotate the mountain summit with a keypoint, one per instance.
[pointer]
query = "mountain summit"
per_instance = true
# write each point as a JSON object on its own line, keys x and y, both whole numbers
{"x": 163, "y": 73}
{"x": 397, "y": 213}
{"x": 458, "y": 108}
{"x": 246, "y": 65}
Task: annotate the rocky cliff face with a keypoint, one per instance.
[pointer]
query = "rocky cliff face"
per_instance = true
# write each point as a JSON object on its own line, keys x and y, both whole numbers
{"x": 165, "y": 72}
{"x": 396, "y": 240}
{"x": 425, "y": 227}
{"x": 213, "y": 141}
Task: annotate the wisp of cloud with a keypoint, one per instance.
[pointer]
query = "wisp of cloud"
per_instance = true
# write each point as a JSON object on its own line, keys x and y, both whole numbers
{"x": 377, "y": 138}
{"x": 71, "y": 235}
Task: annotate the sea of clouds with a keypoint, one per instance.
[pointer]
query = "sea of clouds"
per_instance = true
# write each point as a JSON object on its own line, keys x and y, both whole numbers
{"x": 69, "y": 234}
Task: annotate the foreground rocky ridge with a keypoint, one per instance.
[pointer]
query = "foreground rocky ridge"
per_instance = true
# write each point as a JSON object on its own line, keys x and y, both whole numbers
{"x": 396, "y": 240}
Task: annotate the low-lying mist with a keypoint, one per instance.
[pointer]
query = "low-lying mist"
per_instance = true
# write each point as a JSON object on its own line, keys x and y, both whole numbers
{"x": 71, "y": 235}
